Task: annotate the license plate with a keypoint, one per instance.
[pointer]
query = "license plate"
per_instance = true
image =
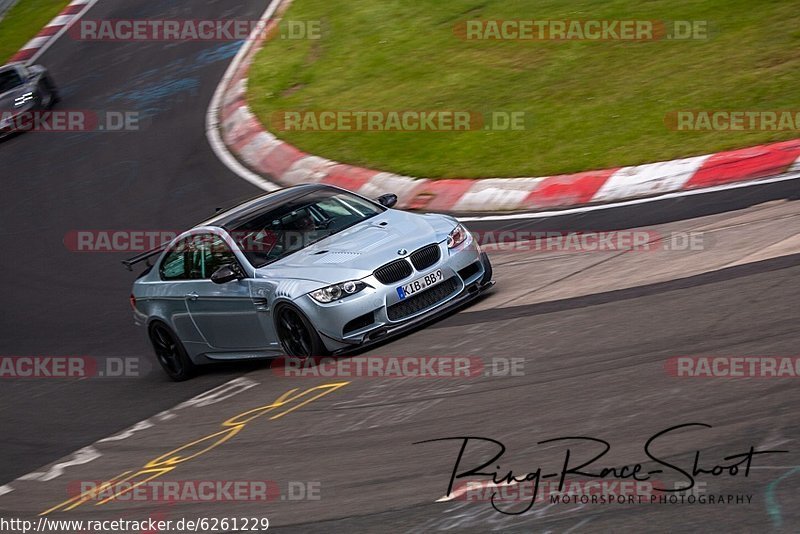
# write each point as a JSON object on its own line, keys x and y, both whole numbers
{"x": 415, "y": 286}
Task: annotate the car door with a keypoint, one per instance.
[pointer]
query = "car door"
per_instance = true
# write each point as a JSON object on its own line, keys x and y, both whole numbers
{"x": 225, "y": 314}
{"x": 170, "y": 295}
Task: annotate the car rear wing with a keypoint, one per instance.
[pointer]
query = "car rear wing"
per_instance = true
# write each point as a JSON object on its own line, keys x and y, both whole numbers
{"x": 144, "y": 256}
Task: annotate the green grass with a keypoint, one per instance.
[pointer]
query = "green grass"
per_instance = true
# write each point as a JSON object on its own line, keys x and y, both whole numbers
{"x": 23, "y": 22}
{"x": 589, "y": 105}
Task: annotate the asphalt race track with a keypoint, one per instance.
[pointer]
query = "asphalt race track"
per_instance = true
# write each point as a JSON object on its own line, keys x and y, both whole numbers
{"x": 593, "y": 361}
{"x": 582, "y": 376}
{"x": 163, "y": 177}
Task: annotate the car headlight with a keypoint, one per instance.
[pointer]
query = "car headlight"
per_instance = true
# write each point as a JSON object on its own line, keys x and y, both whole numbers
{"x": 457, "y": 236}
{"x": 337, "y": 291}
{"x": 23, "y": 99}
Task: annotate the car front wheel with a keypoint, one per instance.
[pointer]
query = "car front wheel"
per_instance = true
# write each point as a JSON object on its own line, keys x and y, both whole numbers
{"x": 298, "y": 337}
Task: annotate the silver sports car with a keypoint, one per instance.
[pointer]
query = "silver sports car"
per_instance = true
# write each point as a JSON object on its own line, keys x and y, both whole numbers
{"x": 22, "y": 90}
{"x": 305, "y": 271}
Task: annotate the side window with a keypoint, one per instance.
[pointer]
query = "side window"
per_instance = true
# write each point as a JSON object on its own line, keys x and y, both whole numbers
{"x": 176, "y": 264}
{"x": 196, "y": 258}
{"x": 216, "y": 254}
{"x": 9, "y": 79}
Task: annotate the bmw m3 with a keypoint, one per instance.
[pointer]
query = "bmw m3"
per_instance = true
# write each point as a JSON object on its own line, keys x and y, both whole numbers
{"x": 305, "y": 271}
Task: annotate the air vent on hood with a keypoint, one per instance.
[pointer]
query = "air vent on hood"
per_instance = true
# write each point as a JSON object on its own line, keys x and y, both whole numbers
{"x": 338, "y": 257}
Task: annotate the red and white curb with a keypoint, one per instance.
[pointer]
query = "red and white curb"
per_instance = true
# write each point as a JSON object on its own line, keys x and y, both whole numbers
{"x": 54, "y": 29}
{"x": 244, "y": 135}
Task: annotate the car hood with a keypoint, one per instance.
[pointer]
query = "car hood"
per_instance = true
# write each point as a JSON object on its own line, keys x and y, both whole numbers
{"x": 356, "y": 252}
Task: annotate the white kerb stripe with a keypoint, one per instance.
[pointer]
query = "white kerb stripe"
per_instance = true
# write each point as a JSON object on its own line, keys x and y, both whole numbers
{"x": 386, "y": 182}
{"x": 795, "y": 167}
{"x": 60, "y": 20}
{"x": 36, "y": 42}
{"x": 308, "y": 169}
{"x": 496, "y": 194}
{"x": 649, "y": 179}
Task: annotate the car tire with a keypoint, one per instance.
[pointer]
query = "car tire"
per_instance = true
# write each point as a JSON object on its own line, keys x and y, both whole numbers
{"x": 49, "y": 88}
{"x": 170, "y": 353}
{"x": 52, "y": 100}
{"x": 298, "y": 337}
{"x": 45, "y": 100}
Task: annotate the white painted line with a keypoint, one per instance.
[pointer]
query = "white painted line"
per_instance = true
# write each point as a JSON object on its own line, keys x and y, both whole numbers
{"x": 79, "y": 457}
{"x": 585, "y": 209}
{"x": 90, "y": 453}
{"x": 215, "y": 107}
{"x": 219, "y": 393}
{"x": 141, "y": 425}
{"x": 56, "y": 36}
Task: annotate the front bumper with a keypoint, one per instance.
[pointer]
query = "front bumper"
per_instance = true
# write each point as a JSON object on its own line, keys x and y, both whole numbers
{"x": 378, "y": 312}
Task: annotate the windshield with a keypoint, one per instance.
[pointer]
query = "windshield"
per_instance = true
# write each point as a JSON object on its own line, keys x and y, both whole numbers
{"x": 9, "y": 79}
{"x": 273, "y": 235}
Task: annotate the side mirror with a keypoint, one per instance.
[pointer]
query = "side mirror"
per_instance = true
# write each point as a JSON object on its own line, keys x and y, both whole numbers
{"x": 387, "y": 200}
{"x": 225, "y": 274}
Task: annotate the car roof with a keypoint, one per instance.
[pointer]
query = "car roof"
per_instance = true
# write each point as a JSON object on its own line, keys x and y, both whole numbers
{"x": 9, "y": 66}
{"x": 240, "y": 213}
{"x": 231, "y": 218}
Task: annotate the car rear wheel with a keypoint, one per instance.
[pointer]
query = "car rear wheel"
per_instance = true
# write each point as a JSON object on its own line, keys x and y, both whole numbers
{"x": 298, "y": 337}
{"x": 170, "y": 353}
{"x": 49, "y": 93}
{"x": 47, "y": 100}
